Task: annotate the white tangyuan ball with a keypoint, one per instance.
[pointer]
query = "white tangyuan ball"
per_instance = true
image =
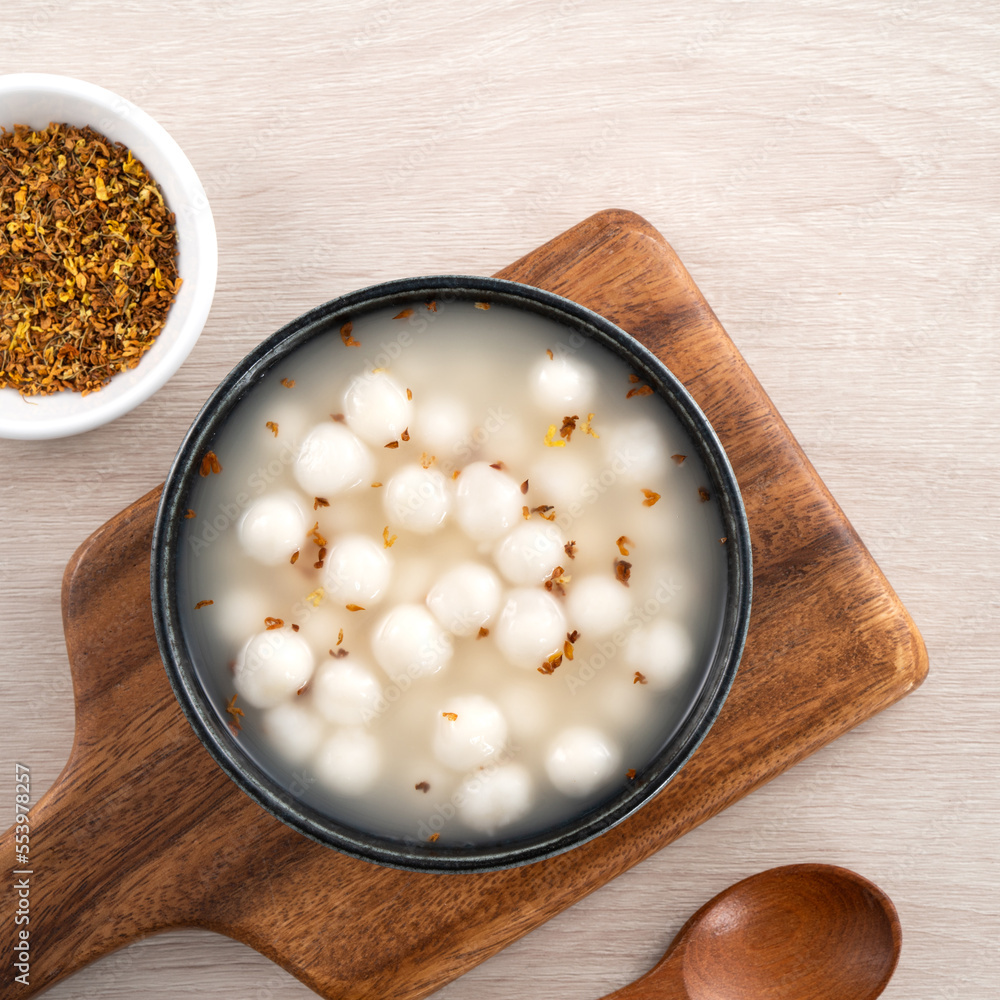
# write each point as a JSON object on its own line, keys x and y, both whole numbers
{"x": 346, "y": 692}
{"x": 470, "y": 730}
{"x": 319, "y": 625}
{"x": 331, "y": 460}
{"x": 466, "y": 598}
{"x": 239, "y": 612}
{"x": 349, "y": 762}
{"x": 598, "y": 605}
{"x": 530, "y": 552}
{"x": 495, "y": 798}
{"x": 376, "y": 407}
{"x": 488, "y": 502}
{"x": 357, "y": 570}
{"x": 272, "y": 528}
{"x": 417, "y": 499}
{"x": 561, "y": 477}
{"x": 443, "y": 425}
{"x": 293, "y": 421}
{"x": 409, "y": 642}
{"x": 562, "y": 381}
{"x": 294, "y": 729}
{"x": 531, "y": 627}
{"x": 662, "y": 651}
{"x": 636, "y": 451}
{"x": 627, "y": 707}
{"x": 505, "y": 438}
{"x": 272, "y": 666}
{"x": 580, "y": 760}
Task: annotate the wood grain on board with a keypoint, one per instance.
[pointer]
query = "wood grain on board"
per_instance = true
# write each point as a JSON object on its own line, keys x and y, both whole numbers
{"x": 142, "y": 831}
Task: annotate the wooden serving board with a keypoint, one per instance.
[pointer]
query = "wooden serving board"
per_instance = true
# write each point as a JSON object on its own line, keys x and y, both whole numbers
{"x": 142, "y": 831}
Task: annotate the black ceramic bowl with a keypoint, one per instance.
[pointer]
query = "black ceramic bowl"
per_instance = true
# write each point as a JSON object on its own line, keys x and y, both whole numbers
{"x": 191, "y": 687}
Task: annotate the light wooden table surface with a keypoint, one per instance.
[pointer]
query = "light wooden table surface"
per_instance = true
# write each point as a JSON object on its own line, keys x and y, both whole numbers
{"x": 828, "y": 173}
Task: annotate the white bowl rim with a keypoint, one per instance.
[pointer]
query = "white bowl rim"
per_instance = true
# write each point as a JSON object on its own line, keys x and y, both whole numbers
{"x": 39, "y": 425}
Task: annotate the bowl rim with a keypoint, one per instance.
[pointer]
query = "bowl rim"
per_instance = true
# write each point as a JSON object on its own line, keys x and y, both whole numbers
{"x": 41, "y": 426}
{"x": 414, "y": 855}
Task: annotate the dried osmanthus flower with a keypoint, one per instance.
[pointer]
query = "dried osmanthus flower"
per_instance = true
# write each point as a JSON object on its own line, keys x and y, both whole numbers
{"x": 209, "y": 464}
{"x": 88, "y": 252}
{"x": 236, "y": 712}
{"x": 551, "y": 440}
{"x": 568, "y": 426}
{"x": 550, "y": 665}
{"x": 623, "y": 570}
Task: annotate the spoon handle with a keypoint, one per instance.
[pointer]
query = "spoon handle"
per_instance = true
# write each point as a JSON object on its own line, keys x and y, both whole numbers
{"x": 665, "y": 981}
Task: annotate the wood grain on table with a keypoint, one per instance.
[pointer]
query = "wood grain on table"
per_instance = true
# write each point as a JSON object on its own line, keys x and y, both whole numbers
{"x": 827, "y": 174}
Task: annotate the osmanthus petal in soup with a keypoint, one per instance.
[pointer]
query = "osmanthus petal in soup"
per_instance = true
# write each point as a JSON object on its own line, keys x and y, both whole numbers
{"x": 463, "y": 580}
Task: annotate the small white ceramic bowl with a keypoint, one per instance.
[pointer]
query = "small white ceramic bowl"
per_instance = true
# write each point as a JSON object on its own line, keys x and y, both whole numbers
{"x": 36, "y": 99}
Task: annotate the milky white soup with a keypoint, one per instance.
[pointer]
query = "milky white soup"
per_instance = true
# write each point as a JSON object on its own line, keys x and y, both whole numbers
{"x": 465, "y": 573}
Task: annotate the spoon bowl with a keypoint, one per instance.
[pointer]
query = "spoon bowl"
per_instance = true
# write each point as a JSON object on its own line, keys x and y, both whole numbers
{"x": 800, "y": 932}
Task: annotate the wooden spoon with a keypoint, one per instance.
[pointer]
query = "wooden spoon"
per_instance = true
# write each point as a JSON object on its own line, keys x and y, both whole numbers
{"x": 801, "y": 932}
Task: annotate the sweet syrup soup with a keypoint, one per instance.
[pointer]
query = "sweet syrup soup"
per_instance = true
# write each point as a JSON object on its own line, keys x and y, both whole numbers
{"x": 454, "y": 573}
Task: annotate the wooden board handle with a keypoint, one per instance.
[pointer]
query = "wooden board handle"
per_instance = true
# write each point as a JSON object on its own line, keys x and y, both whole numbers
{"x": 95, "y": 883}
